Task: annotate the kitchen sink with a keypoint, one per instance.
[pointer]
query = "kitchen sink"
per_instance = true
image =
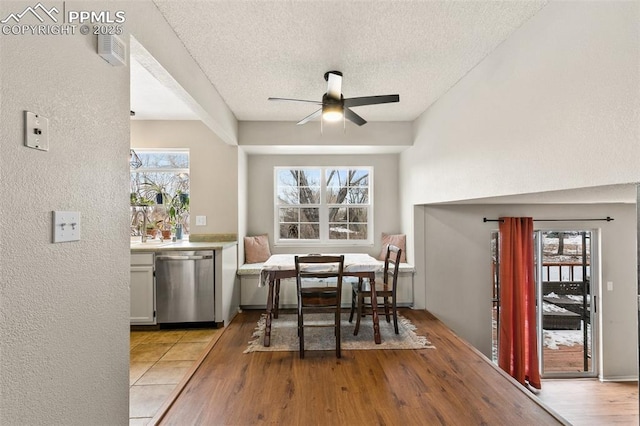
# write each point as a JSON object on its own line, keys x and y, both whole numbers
{"x": 135, "y": 242}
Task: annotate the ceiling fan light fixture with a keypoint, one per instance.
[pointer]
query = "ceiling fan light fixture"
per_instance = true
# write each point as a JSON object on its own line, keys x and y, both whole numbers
{"x": 334, "y": 107}
{"x": 332, "y": 112}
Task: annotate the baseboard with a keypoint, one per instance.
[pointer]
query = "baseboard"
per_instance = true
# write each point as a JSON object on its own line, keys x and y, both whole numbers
{"x": 618, "y": 378}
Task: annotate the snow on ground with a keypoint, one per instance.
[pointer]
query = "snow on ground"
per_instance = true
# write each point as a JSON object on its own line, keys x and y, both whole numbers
{"x": 555, "y": 338}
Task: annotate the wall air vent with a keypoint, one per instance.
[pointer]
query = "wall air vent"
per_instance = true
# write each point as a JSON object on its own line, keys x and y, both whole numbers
{"x": 112, "y": 49}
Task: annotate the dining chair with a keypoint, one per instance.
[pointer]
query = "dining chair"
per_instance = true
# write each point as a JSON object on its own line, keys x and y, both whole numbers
{"x": 386, "y": 290}
{"x": 319, "y": 287}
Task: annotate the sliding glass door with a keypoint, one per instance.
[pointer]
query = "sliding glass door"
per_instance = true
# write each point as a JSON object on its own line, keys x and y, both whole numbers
{"x": 566, "y": 303}
{"x": 566, "y": 324}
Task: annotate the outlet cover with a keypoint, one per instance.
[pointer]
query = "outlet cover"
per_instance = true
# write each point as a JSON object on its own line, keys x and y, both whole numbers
{"x": 201, "y": 220}
{"x": 66, "y": 226}
{"x": 36, "y": 131}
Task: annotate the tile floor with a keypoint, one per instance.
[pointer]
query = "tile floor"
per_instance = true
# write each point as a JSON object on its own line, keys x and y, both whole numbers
{"x": 158, "y": 361}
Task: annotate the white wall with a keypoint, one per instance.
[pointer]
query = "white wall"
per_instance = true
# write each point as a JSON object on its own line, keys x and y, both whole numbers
{"x": 213, "y": 170}
{"x": 164, "y": 51}
{"x": 286, "y": 134}
{"x": 458, "y": 272}
{"x": 261, "y": 195}
{"x": 555, "y": 106}
{"x": 64, "y": 308}
{"x": 243, "y": 201}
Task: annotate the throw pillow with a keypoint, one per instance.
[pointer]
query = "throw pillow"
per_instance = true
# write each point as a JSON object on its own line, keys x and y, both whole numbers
{"x": 398, "y": 240}
{"x": 256, "y": 249}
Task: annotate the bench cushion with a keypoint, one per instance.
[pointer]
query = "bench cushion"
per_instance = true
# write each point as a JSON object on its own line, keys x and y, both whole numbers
{"x": 250, "y": 269}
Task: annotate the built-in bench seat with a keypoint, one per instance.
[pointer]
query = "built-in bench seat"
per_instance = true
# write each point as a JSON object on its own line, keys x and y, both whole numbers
{"x": 253, "y": 296}
{"x": 250, "y": 269}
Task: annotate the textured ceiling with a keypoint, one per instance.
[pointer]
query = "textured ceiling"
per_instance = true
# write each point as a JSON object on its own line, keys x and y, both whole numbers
{"x": 251, "y": 50}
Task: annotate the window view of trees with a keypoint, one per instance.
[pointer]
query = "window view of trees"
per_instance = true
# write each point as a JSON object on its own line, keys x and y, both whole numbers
{"x": 160, "y": 189}
{"x": 348, "y": 199}
{"x": 299, "y": 203}
{"x": 304, "y": 213}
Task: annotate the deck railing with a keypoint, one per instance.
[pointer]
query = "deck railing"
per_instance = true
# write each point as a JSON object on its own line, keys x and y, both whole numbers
{"x": 563, "y": 271}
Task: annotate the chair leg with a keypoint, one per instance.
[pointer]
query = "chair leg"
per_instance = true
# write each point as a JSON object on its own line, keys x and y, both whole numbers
{"x": 395, "y": 315}
{"x": 353, "y": 304}
{"x": 359, "y": 314}
{"x": 301, "y": 334}
{"x": 386, "y": 309}
{"x": 276, "y": 300}
{"x": 338, "y": 338}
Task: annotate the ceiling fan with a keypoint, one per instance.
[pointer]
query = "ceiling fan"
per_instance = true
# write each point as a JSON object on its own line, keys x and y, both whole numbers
{"x": 335, "y": 107}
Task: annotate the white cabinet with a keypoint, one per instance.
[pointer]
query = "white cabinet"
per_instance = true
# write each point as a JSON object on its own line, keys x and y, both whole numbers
{"x": 142, "y": 288}
{"x": 227, "y": 297}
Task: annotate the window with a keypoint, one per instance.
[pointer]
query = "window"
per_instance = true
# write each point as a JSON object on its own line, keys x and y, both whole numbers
{"x": 323, "y": 204}
{"x": 161, "y": 187}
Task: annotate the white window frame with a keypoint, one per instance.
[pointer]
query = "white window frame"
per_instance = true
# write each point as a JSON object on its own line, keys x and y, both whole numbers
{"x": 323, "y": 210}
{"x": 163, "y": 169}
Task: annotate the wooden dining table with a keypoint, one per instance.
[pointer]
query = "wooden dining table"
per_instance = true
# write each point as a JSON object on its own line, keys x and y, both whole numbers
{"x": 282, "y": 266}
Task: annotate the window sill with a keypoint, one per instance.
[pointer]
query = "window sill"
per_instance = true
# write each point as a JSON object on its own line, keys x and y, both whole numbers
{"x": 338, "y": 243}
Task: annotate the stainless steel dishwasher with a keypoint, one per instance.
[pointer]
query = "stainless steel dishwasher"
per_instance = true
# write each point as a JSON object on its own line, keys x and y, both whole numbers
{"x": 185, "y": 287}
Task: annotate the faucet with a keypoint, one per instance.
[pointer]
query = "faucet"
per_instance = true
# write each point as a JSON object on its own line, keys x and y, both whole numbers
{"x": 143, "y": 231}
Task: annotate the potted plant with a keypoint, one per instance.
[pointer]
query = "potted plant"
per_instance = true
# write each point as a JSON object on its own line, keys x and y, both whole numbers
{"x": 178, "y": 208}
{"x": 152, "y": 229}
{"x": 166, "y": 230}
{"x": 139, "y": 200}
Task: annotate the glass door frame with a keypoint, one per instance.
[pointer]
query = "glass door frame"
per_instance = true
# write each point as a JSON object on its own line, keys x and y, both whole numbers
{"x": 594, "y": 291}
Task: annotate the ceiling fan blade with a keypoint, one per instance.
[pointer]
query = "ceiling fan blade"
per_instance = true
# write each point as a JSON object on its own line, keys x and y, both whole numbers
{"x": 295, "y": 100}
{"x": 310, "y": 117}
{"x": 334, "y": 85}
{"x": 371, "y": 100}
{"x": 352, "y": 116}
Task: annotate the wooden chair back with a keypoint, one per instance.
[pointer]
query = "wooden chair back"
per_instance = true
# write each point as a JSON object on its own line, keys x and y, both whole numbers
{"x": 323, "y": 295}
{"x": 392, "y": 266}
{"x": 387, "y": 290}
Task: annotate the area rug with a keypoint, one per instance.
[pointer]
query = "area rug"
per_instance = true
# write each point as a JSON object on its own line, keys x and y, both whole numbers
{"x": 284, "y": 335}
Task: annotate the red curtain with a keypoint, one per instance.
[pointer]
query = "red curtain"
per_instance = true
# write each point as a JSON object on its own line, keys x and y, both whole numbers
{"x": 518, "y": 351}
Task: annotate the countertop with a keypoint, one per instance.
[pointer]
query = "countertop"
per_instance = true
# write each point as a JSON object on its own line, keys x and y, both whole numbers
{"x": 157, "y": 245}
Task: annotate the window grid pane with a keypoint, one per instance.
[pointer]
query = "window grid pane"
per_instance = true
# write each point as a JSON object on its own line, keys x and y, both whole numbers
{"x": 347, "y": 200}
{"x": 348, "y": 187}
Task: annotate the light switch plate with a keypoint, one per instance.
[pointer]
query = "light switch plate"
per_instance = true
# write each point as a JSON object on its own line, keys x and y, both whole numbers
{"x": 66, "y": 226}
{"x": 201, "y": 220}
{"x": 36, "y": 131}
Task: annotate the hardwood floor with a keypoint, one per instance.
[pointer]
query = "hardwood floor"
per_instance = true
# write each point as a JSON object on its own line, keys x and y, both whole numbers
{"x": 591, "y": 402}
{"x": 451, "y": 384}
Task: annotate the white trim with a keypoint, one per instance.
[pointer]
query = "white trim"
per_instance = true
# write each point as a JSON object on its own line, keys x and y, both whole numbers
{"x": 618, "y": 379}
{"x": 142, "y": 169}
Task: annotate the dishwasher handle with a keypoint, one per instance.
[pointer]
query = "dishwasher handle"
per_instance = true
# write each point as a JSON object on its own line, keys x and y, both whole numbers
{"x": 183, "y": 257}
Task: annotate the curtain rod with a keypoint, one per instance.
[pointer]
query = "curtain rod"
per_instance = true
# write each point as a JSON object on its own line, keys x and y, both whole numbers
{"x": 608, "y": 219}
